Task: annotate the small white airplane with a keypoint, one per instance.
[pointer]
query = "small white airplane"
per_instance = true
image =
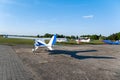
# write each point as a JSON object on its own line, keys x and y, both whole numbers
{"x": 38, "y": 42}
{"x": 83, "y": 40}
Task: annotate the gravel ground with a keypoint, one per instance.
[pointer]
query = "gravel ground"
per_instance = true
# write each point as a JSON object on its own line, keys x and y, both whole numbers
{"x": 83, "y": 62}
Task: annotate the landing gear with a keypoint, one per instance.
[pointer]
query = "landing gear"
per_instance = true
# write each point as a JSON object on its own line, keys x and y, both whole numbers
{"x": 34, "y": 49}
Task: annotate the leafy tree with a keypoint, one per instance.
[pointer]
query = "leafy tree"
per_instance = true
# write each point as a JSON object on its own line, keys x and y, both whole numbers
{"x": 38, "y": 35}
{"x": 77, "y": 37}
{"x": 94, "y": 37}
{"x": 68, "y": 37}
{"x": 73, "y": 37}
{"x": 115, "y": 36}
{"x": 60, "y": 36}
{"x": 48, "y": 35}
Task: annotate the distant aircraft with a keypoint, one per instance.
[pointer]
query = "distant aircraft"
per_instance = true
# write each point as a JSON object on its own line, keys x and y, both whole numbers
{"x": 83, "y": 40}
{"x": 112, "y": 42}
{"x": 39, "y": 42}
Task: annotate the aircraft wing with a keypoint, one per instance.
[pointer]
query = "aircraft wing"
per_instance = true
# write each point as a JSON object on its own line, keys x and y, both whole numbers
{"x": 111, "y": 42}
{"x": 19, "y": 37}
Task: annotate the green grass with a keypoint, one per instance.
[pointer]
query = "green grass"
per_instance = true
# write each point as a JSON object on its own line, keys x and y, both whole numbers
{"x": 9, "y": 41}
{"x": 96, "y": 42}
{"x": 73, "y": 42}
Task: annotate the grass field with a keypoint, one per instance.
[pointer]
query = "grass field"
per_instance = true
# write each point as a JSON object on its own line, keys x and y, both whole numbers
{"x": 73, "y": 42}
{"x": 9, "y": 41}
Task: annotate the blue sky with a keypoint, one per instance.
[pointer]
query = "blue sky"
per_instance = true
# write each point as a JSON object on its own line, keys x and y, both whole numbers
{"x": 68, "y": 17}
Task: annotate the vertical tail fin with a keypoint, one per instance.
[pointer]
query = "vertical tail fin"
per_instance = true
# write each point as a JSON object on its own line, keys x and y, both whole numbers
{"x": 52, "y": 41}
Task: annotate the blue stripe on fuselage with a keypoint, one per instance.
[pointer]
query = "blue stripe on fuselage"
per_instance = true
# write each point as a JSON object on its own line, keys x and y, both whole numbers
{"x": 39, "y": 44}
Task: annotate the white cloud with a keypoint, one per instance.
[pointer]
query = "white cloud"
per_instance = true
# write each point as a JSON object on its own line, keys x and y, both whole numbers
{"x": 88, "y": 16}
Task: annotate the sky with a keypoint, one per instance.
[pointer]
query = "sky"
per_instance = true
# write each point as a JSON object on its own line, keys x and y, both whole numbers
{"x": 67, "y": 17}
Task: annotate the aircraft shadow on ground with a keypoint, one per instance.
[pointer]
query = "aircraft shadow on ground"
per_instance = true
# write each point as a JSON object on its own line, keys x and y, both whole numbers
{"x": 81, "y": 57}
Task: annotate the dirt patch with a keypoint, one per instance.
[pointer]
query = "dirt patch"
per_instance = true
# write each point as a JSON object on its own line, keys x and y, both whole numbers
{"x": 84, "y": 62}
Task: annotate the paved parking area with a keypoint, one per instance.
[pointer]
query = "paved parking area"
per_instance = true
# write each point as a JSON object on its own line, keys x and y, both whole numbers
{"x": 84, "y": 62}
{"x": 73, "y": 62}
{"x": 11, "y": 67}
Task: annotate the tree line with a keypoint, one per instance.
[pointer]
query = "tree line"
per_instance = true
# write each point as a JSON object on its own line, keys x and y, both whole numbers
{"x": 114, "y": 36}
